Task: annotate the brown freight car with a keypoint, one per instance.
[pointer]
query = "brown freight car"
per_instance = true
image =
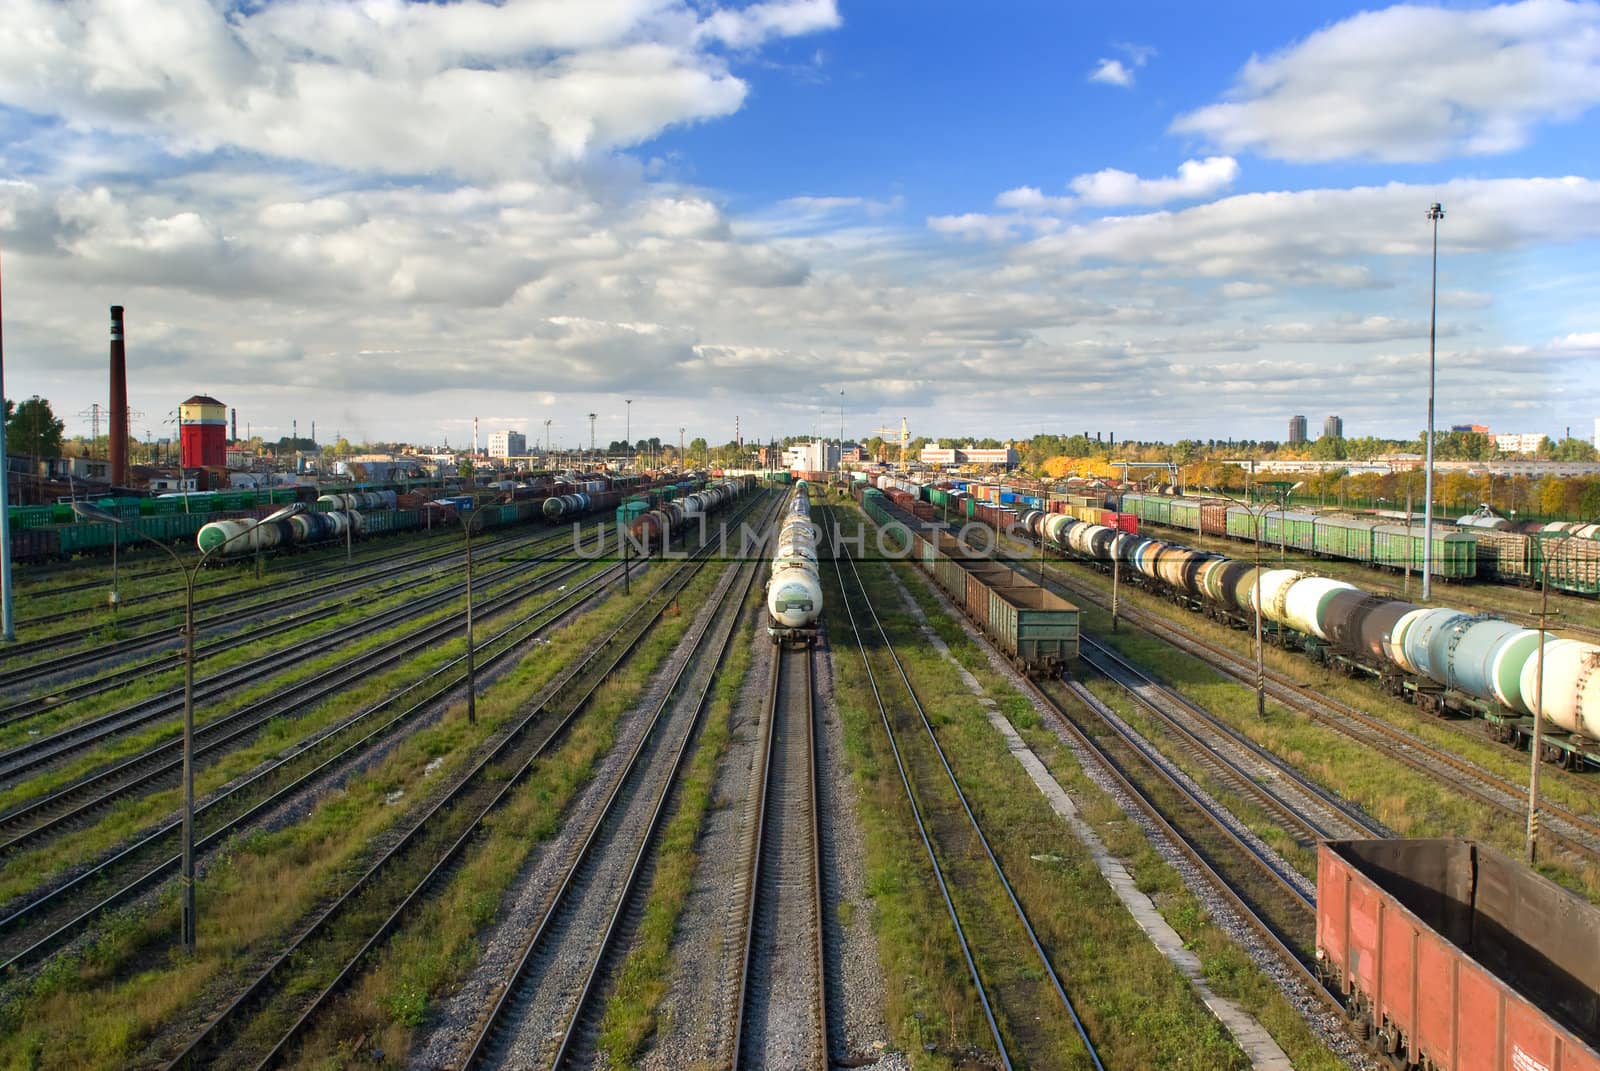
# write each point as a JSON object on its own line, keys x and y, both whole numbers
{"x": 1458, "y": 958}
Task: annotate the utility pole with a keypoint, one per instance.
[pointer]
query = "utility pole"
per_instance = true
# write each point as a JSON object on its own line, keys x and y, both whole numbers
{"x": 1435, "y": 214}
{"x": 7, "y": 624}
{"x": 547, "y": 441}
{"x": 627, "y": 427}
{"x": 680, "y": 446}
{"x": 591, "y": 434}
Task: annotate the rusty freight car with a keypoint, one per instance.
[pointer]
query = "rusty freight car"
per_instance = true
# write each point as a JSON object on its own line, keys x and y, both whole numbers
{"x": 1457, "y": 958}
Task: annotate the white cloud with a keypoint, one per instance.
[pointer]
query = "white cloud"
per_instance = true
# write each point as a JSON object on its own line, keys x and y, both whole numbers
{"x": 1030, "y": 199}
{"x": 1237, "y": 290}
{"x": 1586, "y": 343}
{"x": 1413, "y": 83}
{"x": 472, "y": 88}
{"x": 1322, "y": 234}
{"x": 1195, "y": 179}
{"x": 1111, "y": 72}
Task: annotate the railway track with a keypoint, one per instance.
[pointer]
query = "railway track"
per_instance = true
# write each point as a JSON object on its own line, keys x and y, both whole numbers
{"x": 1306, "y": 809}
{"x": 420, "y": 859}
{"x": 34, "y": 928}
{"x": 785, "y": 953}
{"x": 955, "y": 844}
{"x": 299, "y": 573}
{"x": 1278, "y": 906}
{"x": 23, "y": 709}
{"x": 547, "y": 1012}
{"x": 71, "y": 805}
{"x": 1574, "y": 833}
{"x": 23, "y": 664}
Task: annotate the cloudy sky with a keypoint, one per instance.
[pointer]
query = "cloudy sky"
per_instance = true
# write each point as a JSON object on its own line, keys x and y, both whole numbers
{"x": 1158, "y": 220}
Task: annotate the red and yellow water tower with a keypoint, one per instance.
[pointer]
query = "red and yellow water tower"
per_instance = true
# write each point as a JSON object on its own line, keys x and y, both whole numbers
{"x": 203, "y": 432}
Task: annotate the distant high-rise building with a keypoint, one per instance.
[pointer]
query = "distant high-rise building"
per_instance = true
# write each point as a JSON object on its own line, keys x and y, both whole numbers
{"x": 1333, "y": 428}
{"x": 1297, "y": 430}
{"x": 508, "y": 444}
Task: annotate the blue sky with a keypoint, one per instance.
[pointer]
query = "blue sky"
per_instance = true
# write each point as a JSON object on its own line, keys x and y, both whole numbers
{"x": 1163, "y": 220}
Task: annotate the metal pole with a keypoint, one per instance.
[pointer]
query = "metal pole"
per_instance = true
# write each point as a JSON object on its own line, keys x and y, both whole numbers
{"x": 1538, "y": 713}
{"x": 472, "y": 678}
{"x": 116, "y": 599}
{"x": 188, "y": 759}
{"x": 1116, "y": 578}
{"x": 1261, "y": 658}
{"x": 348, "y": 524}
{"x": 1435, "y": 213}
{"x": 628, "y": 429}
{"x": 1407, "y": 588}
{"x": 8, "y": 630}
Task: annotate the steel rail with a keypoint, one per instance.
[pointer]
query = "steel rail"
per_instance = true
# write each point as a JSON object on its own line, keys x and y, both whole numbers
{"x": 147, "y": 768}
{"x": 475, "y": 782}
{"x": 763, "y": 845}
{"x": 994, "y": 862}
{"x": 441, "y": 681}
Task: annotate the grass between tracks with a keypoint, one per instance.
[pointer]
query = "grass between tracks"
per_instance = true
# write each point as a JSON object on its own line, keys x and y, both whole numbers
{"x": 377, "y": 1023}
{"x": 630, "y": 1015}
{"x": 224, "y": 579}
{"x": 106, "y": 1005}
{"x": 1412, "y": 803}
{"x": 1138, "y": 1009}
{"x": 1228, "y": 968}
{"x": 27, "y": 869}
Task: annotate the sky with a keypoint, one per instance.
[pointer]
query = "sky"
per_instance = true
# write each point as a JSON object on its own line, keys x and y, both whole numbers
{"x": 1157, "y": 220}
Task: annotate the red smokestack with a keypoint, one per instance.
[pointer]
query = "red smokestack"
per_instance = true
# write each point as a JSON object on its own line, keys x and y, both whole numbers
{"x": 119, "y": 402}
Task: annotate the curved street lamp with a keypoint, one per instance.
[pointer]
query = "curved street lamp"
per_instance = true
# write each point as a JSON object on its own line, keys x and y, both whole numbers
{"x": 90, "y": 512}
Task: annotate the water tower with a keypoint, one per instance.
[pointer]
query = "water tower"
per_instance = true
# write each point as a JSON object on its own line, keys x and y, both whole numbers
{"x": 203, "y": 430}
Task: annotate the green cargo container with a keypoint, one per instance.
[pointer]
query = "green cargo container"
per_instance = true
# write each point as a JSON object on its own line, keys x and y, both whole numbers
{"x": 1034, "y": 625}
{"x": 1241, "y": 523}
{"x": 1288, "y": 529}
{"x": 1343, "y": 537}
{"x": 1455, "y": 554}
{"x": 1184, "y": 513}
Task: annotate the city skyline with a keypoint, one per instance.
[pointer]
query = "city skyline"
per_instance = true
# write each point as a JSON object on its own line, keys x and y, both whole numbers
{"x": 1167, "y": 227}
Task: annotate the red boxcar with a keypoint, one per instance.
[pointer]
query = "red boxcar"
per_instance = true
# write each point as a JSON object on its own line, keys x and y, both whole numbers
{"x": 1214, "y": 518}
{"x": 1458, "y": 957}
{"x": 1128, "y": 522}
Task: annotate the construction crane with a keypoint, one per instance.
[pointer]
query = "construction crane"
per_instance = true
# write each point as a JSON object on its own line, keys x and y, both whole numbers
{"x": 905, "y": 437}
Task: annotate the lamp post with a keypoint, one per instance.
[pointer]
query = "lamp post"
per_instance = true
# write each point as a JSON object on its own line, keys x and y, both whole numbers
{"x": 1537, "y": 744}
{"x": 467, "y": 525}
{"x": 190, "y": 572}
{"x": 627, "y": 429}
{"x": 1261, "y": 658}
{"x": 1435, "y": 214}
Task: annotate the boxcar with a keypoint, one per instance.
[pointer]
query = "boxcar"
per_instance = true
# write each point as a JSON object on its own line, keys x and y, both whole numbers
{"x": 1455, "y": 554}
{"x": 1458, "y": 958}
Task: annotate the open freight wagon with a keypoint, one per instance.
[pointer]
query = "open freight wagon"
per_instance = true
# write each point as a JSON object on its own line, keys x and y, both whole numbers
{"x": 1458, "y": 958}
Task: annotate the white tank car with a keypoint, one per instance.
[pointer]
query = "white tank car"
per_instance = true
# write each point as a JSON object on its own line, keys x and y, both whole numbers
{"x": 794, "y": 591}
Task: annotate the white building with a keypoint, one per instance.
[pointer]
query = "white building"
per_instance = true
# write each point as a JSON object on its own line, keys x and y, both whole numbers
{"x": 508, "y": 444}
{"x": 935, "y": 455}
{"x": 816, "y": 456}
{"x": 1518, "y": 443}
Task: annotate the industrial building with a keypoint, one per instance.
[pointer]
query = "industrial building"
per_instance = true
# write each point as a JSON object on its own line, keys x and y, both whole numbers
{"x": 1002, "y": 456}
{"x": 203, "y": 432}
{"x": 1297, "y": 430}
{"x": 1333, "y": 428}
{"x": 816, "y": 456}
{"x": 508, "y": 444}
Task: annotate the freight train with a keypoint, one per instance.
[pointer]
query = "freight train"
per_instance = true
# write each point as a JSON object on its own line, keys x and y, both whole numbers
{"x": 1443, "y": 660}
{"x": 655, "y": 528}
{"x": 794, "y": 589}
{"x": 1033, "y": 626}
